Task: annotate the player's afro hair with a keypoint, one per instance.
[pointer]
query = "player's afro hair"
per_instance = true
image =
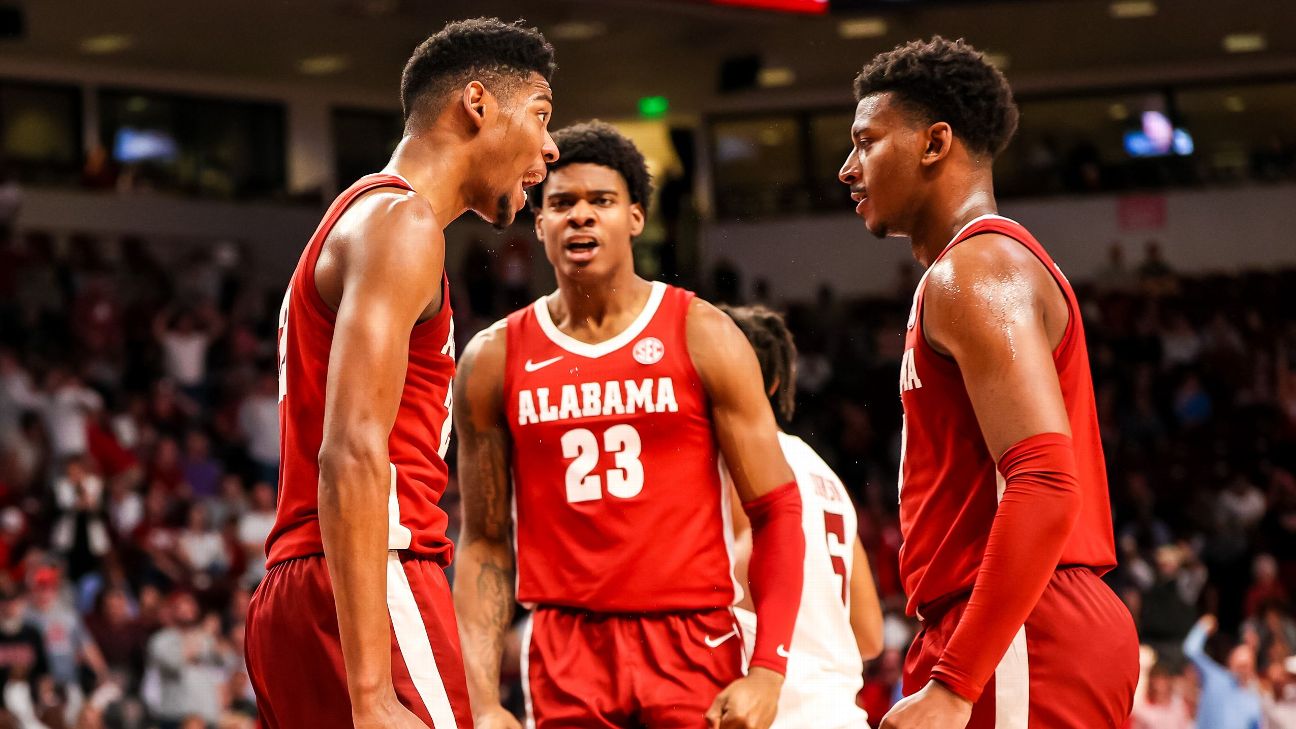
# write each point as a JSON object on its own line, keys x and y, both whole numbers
{"x": 598, "y": 143}
{"x": 484, "y": 48}
{"x": 775, "y": 350}
{"x": 947, "y": 81}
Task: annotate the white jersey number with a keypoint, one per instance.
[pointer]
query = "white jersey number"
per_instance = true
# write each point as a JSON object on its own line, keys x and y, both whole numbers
{"x": 625, "y": 481}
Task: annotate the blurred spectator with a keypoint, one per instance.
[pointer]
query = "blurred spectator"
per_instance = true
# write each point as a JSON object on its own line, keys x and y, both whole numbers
{"x": 189, "y": 666}
{"x": 259, "y": 423}
{"x": 254, "y": 527}
{"x": 23, "y": 662}
{"x": 1230, "y": 697}
{"x": 1158, "y": 702}
{"x": 185, "y": 337}
{"x": 202, "y": 547}
{"x": 81, "y": 532}
{"x": 68, "y": 645}
{"x": 201, "y": 471}
{"x": 1114, "y": 276}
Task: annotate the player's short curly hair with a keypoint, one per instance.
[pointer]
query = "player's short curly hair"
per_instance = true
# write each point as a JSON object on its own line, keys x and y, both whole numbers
{"x": 947, "y": 81}
{"x": 599, "y": 143}
{"x": 487, "y": 49}
{"x": 775, "y": 350}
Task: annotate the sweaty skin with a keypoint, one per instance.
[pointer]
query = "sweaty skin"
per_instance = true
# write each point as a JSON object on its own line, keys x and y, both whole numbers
{"x": 598, "y": 295}
{"x": 381, "y": 270}
{"x": 989, "y": 304}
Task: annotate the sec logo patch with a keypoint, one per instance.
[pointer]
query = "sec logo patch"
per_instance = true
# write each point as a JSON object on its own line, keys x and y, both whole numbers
{"x": 648, "y": 350}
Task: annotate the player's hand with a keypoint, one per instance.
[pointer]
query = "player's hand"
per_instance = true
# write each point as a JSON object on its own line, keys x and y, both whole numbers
{"x": 495, "y": 717}
{"x": 748, "y": 703}
{"x": 385, "y": 712}
{"x": 933, "y": 707}
{"x": 1210, "y": 623}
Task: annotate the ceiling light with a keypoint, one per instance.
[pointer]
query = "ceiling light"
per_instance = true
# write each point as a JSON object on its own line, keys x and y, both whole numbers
{"x": 109, "y": 43}
{"x": 1125, "y": 9}
{"x": 862, "y": 28}
{"x": 577, "y": 30}
{"x": 322, "y": 65}
{"x": 1234, "y": 103}
{"x": 776, "y": 76}
{"x": 1000, "y": 61}
{"x": 1118, "y": 112}
{"x": 1244, "y": 42}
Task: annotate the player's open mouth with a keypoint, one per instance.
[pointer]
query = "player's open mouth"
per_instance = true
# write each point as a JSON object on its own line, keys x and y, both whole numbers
{"x": 861, "y": 199}
{"x": 581, "y": 248}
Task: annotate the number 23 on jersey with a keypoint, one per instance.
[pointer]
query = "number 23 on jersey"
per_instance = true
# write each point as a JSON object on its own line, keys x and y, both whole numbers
{"x": 624, "y": 480}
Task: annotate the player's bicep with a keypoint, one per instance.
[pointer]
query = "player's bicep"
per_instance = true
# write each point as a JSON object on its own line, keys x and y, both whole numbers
{"x": 866, "y": 608}
{"x": 386, "y": 287}
{"x": 743, "y": 420}
{"x": 986, "y": 314}
{"x": 483, "y": 450}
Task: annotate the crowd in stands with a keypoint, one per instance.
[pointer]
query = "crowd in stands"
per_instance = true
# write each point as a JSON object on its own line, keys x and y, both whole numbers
{"x": 139, "y": 456}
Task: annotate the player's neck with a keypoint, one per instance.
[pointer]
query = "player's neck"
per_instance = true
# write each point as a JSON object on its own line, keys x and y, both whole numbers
{"x": 597, "y": 310}
{"x": 945, "y": 216}
{"x": 436, "y": 168}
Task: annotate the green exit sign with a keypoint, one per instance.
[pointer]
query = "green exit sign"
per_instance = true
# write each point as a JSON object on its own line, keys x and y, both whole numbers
{"x": 653, "y": 107}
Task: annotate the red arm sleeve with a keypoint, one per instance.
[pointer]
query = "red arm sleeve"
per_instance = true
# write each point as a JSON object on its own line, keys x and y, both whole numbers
{"x": 776, "y": 573}
{"x": 1040, "y": 504}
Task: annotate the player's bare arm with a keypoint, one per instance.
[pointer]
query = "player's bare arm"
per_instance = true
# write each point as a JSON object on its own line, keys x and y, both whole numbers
{"x": 865, "y": 609}
{"x": 381, "y": 269}
{"x": 484, "y": 586}
{"x": 748, "y": 437}
{"x": 993, "y": 308}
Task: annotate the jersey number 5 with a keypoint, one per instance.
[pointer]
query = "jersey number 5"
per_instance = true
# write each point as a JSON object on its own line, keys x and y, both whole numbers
{"x": 835, "y": 526}
{"x": 624, "y": 481}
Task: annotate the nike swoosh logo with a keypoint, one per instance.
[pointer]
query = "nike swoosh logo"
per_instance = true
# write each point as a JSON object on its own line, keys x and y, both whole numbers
{"x": 783, "y": 652}
{"x": 530, "y": 366}
{"x": 715, "y": 642}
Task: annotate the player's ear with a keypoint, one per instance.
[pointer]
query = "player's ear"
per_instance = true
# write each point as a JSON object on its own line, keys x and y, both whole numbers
{"x": 637, "y": 219}
{"x": 940, "y": 139}
{"x": 474, "y": 99}
{"x": 539, "y": 229}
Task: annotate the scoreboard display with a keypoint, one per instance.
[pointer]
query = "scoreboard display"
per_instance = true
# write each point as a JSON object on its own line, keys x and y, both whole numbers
{"x": 807, "y": 7}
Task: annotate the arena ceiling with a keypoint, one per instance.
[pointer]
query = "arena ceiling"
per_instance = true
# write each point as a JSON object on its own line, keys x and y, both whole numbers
{"x": 613, "y": 52}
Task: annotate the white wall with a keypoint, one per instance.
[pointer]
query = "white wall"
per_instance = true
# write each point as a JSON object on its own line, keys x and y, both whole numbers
{"x": 1251, "y": 227}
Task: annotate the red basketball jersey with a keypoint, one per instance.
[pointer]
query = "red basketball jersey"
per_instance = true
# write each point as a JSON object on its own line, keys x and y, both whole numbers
{"x": 419, "y": 437}
{"x": 619, "y": 498}
{"x": 949, "y": 484}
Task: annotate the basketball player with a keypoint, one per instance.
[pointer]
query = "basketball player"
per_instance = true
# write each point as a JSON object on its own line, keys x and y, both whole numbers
{"x": 354, "y": 623}
{"x": 607, "y": 406}
{"x": 1003, "y": 495}
{"x": 839, "y": 603}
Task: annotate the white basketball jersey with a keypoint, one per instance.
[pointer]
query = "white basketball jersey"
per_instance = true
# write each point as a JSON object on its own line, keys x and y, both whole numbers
{"x": 824, "y": 670}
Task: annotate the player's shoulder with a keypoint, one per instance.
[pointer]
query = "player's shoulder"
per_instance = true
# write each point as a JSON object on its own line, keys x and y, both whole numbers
{"x": 991, "y": 268}
{"x": 390, "y": 224}
{"x": 708, "y": 320}
{"x": 490, "y": 342}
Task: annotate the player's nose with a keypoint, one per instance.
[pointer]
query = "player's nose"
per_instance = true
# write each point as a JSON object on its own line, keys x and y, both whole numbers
{"x": 849, "y": 173}
{"x": 549, "y": 151}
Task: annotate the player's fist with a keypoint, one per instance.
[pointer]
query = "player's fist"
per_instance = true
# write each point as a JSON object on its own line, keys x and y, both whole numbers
{"x": 748, "y": 703}
{"x": 933, "y": 707}
{"x": 495, "y": 717}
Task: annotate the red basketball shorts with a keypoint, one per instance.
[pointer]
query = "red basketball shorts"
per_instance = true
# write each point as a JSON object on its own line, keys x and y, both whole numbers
{"x": 1073, "y": 665}
{"x": 584, "y": 670}
{"x": 294, "y": 656}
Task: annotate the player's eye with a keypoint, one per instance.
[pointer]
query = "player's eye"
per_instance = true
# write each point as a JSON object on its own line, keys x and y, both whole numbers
{"x": 603, "y": 201}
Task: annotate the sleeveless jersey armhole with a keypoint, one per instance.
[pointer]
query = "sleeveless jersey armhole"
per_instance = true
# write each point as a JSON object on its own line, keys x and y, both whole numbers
{"x": 316, "y": 246}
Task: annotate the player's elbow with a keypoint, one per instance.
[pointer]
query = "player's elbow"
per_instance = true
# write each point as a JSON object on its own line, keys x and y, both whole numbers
{"x": 361, "y": 465}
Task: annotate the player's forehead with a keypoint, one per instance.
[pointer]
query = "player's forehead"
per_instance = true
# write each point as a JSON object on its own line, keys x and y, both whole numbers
{"x": 875, "y": 110}
{"x": 584, "y": 178}
{"x": 537, "y": 88}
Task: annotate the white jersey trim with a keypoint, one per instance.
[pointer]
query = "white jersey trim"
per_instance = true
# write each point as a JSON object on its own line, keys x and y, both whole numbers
{"x": 726, "y": 513}
{"x": 526, "y": 672}
{"x": 1012, "y": 686}
{"x": 415, "y": 647}
{"x": 398, "y": 535}
{"x": 607, "y": 346}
